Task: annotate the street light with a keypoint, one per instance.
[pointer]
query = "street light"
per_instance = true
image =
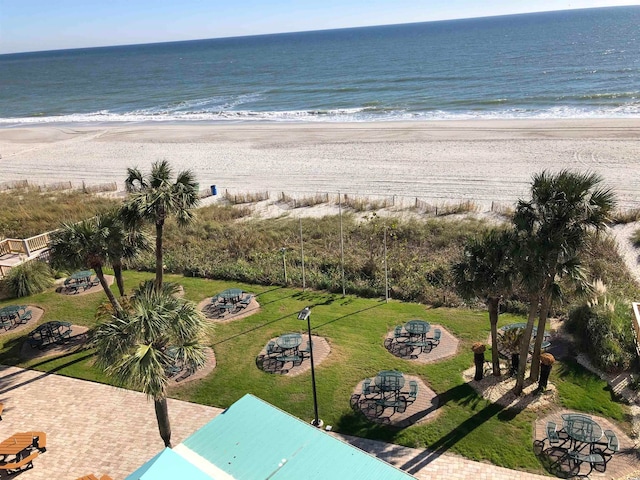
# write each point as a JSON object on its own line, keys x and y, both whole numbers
{"x": 305, "y": 314}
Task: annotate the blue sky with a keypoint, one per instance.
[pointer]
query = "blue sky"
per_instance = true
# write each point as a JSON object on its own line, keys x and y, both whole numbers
{"x": 32, "y": 25}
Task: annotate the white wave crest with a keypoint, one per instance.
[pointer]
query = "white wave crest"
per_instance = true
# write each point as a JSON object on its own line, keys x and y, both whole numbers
{"x": 365, "y": 114}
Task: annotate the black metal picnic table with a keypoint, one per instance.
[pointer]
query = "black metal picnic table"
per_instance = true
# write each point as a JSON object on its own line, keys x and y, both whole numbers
{"x": 49, "y": 333}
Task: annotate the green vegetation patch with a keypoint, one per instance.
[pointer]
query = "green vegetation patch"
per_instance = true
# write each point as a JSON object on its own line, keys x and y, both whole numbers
{"x": 355, "y": 329}
{"x": 28, "y": 212}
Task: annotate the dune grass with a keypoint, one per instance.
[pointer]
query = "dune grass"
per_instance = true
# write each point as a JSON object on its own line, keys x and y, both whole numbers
{"x": 355, "y": 328}
{"x": 28, "y": 212}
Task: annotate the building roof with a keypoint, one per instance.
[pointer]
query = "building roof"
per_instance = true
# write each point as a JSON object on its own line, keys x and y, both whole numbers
{"x": 168, "y": 465}
{"x": 253, "y": 440}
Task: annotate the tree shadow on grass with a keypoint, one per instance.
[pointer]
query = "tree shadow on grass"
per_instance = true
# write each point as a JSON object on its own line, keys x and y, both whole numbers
{"x": 464, "y": 395}
{"x": 289, "y": 315}
{"x": 7, "y": 388}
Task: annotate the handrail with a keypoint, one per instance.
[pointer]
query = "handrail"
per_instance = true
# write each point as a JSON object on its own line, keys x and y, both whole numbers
{"x": 28, "y": 249}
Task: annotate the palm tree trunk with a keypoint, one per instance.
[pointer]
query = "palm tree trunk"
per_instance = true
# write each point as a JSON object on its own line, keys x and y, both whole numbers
{"x": 542, "y": 323}
{"x": 524, "y": 344}
{"x": 493, "y": 304}
{"x": 162, "y": 415}
{"x": 117, "y": 271}
{"x": 159, "y": 260}
{"x": 116, "y": 306}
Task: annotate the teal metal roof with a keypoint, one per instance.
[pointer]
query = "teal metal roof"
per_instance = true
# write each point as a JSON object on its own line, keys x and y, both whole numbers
{"x": 168, "y": 465}
{"x": 253, "y": 440}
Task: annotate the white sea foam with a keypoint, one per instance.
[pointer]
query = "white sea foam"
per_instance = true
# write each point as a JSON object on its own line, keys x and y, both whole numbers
{"x": 189, "y": 111}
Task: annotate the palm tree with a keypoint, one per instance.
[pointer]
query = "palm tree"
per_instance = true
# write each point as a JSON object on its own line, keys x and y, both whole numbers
{"x": 553, "y": 228}
{"x": 154, "y": 197}
{"x": 88, "y": 244}
{"x": 125, "y": 245}
{"x": 487, "y": 271}
{"x": 158, "y": 331}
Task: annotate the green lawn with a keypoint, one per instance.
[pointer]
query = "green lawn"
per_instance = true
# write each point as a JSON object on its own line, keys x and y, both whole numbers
{"x": 355, "y": 328}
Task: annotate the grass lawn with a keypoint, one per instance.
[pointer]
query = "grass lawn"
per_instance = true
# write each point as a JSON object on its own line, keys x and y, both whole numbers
{"x": 355, "y": 328}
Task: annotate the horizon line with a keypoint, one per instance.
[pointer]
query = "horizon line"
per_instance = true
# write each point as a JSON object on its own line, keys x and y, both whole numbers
{"x": 313, "y": 31}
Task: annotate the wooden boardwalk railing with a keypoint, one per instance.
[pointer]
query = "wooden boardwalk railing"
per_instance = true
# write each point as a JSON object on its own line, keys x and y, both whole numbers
{"x": 26, "y": 249}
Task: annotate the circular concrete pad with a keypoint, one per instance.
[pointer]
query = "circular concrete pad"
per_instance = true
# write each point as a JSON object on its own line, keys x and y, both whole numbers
{"x": 423, "y": 409}
{"x": 205, "y": 306}
{"x": 321, "y": 350}
{"x": 447, "y": 347}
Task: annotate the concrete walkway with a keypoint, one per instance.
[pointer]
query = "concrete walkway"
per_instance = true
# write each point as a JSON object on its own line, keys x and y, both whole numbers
{"x": 95, "y": 428}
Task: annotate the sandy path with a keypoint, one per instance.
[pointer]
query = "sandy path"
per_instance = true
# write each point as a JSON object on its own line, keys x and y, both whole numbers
{"x": 435, "y": 161}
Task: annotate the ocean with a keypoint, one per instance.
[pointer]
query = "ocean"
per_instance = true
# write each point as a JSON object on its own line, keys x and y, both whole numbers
{"x": 569, "y": 64}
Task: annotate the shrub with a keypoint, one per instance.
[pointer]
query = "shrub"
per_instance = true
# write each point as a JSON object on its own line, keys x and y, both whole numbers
{"x": 625, "y": 216}
{"x": 605, "y": 334}
{"x": 635, "y": 238}
{"x": 29, "y": 278}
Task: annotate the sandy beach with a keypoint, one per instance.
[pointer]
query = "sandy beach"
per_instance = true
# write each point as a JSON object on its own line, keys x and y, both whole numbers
{"x": 435, "y": 161}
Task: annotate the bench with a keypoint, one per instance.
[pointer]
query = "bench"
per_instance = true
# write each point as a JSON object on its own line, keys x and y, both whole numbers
{"x": 555, "y": 436}
{"x": 24, "y": 464}
{"x": 40, "y": 441}
{"x": 399, "y": 405}
{"x": 417, "y": 343}
{"x": 224, "y": 308}
{"x": 244, "y": 303}
{"x": 397, "y": 332}
{"x": 26, "y": 316}
{"x": 75, "y": 287}
{"x": 413, "y": 390}
{"x": 306, "y": 350}
{"x": 296, "y": 359}
{"x": 595, "y": 460}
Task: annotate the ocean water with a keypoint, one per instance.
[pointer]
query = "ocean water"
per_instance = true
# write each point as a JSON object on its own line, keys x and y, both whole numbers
{"x": 571, "y": 64}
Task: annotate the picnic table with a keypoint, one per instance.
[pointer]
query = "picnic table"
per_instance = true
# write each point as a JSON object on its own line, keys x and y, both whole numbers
{"x": 389, "y": 381}
{"x": 231, "y": 295}
{"x": 49, "y": 333}
{"x": 581, "y": 429}
{"x": 16, "y": 444}
{"x": 11, "y": 315}
{"x": 289, "y": 341}
{"x": 18, "y": 451}
{"x": 81, "y": 276}
{"x": 286, "y": 349}
{"x": 387, "y": 390}
{"x": 417, "y": 328}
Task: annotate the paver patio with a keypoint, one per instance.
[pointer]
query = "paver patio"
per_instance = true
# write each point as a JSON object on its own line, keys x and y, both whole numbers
{"x": 95, "y": 428}
{"x": 90, "y": 427}
{"x": 624, "y": 463}
{"x": 447, "y": 347}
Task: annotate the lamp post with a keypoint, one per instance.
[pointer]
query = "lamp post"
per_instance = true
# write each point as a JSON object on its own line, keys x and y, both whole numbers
{"x": 283, "y": 250}
{"x": 305, "y": 314}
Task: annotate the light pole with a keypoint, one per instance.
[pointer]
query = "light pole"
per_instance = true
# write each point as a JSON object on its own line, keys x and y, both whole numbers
{"x": 305, "y": 314}
{"x": 283, "y": 250}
